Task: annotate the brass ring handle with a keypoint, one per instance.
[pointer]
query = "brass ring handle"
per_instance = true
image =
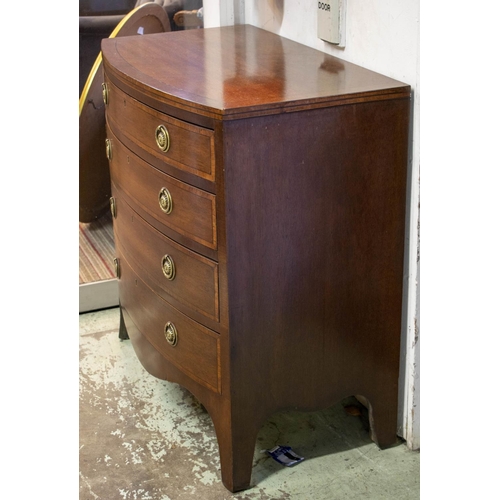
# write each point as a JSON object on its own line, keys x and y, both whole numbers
{"x": 109, "y": 150}
{"x": 112, "y": 206}
{"x": 117, "y": 267}
{"x": 165, "y": 200}
{"x": 105, "y": 93}
{"x": 171, "y": 334}
{"x": 162, "y": 138}
{"x": 168, "y": 267}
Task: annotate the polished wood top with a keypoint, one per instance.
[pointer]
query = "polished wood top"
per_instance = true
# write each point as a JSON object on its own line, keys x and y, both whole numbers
{"x": 240, "y": 70}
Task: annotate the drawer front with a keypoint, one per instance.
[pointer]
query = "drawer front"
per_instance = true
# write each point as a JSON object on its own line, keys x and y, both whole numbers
{"x": 185, "y": 209}
{"x": 188, "y": 147}
{"x": 197, "y": 349}
{"x": 172, "y": 270}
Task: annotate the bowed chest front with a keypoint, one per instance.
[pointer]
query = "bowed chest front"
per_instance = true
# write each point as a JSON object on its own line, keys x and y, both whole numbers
{"x": 259, "y": 215}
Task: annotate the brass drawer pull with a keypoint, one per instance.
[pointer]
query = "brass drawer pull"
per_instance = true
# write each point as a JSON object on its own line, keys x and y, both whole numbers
{"x": 109, "y": 151}
{"x": 112, "y": 206}
{"x": 171, "y": 334}
{"x": 165, "y": 200}
{"x": 168, "y": 267}
{"x": 162, "y": 138}
{"x": 105, "y": 93}
{"x": 117, "y": 267}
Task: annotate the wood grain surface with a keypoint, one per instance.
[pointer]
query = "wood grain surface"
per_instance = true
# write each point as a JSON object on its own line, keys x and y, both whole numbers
{"x": 309, "y": 182}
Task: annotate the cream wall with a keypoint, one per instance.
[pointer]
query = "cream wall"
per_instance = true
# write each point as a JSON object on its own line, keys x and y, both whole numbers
{"x": 384, "y": 36}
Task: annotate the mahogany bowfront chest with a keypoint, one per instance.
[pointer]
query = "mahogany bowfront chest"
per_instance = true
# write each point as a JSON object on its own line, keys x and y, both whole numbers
{"x": 258, "y": 195}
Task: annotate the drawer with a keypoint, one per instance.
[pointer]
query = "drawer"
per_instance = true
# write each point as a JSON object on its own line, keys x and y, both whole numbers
{"x": 192, "y": 348}
{"x": 172, "y": 270}
{"x": 187, "y": 210}
{"x": 185, "y": 146}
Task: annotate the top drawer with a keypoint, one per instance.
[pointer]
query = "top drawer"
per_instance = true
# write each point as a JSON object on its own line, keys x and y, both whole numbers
{"x": 183, "y": 145}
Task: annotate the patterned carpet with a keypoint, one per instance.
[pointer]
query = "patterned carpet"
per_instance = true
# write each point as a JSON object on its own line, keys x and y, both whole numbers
{"x": 97, "y": 250}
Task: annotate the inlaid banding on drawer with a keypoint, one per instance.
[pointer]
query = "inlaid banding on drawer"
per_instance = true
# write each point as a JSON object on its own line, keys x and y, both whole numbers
{"x": 196, "y": 279}
{"x": 192, "y": 211}
{"x": 197, "y": 349}
{"x": 183, "y": 145}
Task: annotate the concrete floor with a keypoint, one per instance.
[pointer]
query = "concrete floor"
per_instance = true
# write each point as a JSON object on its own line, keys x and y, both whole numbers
{"x": 146, "y": 439}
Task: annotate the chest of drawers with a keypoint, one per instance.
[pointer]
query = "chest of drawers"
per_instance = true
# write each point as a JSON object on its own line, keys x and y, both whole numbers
{"x": 259, "y": 213}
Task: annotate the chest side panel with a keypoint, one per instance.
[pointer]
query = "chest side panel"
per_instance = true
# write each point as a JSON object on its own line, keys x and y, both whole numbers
{"x": 315, "y": 243}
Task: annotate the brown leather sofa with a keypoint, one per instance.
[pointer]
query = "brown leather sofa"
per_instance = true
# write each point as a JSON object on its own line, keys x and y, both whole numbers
{"x": 98, "y": 19}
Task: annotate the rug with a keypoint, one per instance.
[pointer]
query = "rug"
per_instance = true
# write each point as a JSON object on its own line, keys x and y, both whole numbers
{"x": 97, "y": 250}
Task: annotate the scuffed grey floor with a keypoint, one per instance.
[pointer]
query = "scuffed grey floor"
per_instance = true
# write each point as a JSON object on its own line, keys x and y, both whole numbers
{"x": 146, "y": 439}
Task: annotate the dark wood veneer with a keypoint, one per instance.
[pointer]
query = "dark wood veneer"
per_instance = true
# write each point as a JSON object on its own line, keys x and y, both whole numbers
{"x": 193, "y": 216}
{"x": 138, "y": 123}
{"x": 309, "y": 158}
{"x": 197, "y": 352}
{"x": 196, "y": 278}
{"x": 240, "y": 71}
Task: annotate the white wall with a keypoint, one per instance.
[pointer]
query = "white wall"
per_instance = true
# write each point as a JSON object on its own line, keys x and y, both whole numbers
{"x": 223, "y": 12}
{"x": 384, "y": 36}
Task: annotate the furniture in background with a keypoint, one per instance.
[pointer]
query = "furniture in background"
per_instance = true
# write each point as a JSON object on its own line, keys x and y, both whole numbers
{"x": 94, "y": 180}
{"x": 189, "y": 19}
{"x": 98, "y": 19}
{"x": 101, "y": 19}
{"x": 258, "y": 201}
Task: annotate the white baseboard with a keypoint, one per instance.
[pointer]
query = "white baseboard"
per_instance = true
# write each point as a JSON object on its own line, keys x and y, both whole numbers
{"x": 98, "y": 295}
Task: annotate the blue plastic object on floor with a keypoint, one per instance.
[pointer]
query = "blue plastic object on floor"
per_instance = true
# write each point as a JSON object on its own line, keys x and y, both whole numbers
{"x": 284, "y": 455}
